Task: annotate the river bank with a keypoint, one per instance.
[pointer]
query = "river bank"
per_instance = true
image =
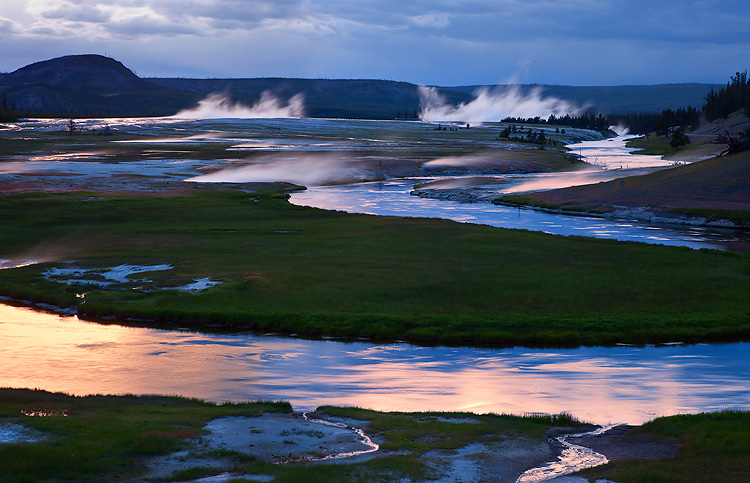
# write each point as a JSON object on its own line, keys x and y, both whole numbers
{"x": 185, "y": 440}
{"x": 46, "y": 436}
{"x": 648, "y": 214}
{"x": 268, "y": 255}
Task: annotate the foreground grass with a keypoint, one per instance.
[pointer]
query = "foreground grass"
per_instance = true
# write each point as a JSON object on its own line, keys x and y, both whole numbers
{"x": 316, "y": 272}
{"x": 100, "y": 438}
{"x": 106, "y": 438}
{"x": 714, "y": 447}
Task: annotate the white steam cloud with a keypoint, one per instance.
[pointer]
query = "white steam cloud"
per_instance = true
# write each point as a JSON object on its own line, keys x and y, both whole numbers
{"x": 493, "y": 105}
{"x": 304, "y": 170}
{"x": 218, "y": 106}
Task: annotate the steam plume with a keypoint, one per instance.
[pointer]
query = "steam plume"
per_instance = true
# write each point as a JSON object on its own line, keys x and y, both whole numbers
{"x": 493, "y": 105}
{"x": 217, "y": 106}
{"x": 305, "y": 170}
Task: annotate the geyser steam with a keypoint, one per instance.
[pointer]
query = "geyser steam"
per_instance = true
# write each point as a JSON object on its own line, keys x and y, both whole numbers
{"x": 218, "y": 106}
{"x": 302, "y": 169}
{"x": 493, "y": 105}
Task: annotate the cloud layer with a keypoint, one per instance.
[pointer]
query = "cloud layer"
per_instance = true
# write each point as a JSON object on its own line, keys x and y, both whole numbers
{"x": 585, "y": 42}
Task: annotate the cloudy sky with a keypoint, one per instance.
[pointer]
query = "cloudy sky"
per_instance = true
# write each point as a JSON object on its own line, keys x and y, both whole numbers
{"x": 441, "y": 42}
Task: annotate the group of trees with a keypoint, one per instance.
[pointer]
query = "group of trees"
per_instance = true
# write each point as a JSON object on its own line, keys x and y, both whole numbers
{"x": 733, "y": 97}
{"x": 639, "y": 123}
{"x": 529, "y": 136}
{"x": 585, "y": 121}
{"x": 8, "y": 113}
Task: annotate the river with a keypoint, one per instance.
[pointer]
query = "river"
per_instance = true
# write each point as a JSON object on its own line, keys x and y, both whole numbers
{"x": 602, "y": 385}
{"x": 609, "y": 158}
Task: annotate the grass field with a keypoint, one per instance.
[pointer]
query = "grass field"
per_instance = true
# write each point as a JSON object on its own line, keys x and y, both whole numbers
{"x": 713, "y": 447}
{"x": 101, "y": 438}
{"x": 114, "y": 438}
{"x": 108, "y": 438}
{"x": 293, "y": 269}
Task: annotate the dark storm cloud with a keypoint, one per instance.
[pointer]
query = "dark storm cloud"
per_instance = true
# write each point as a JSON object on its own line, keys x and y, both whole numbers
{"x": 436, "y": 41}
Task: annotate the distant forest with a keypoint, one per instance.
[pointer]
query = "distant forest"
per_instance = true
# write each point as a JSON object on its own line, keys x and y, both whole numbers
{"x": 719, "y": 105}
{"x": 733, "y": 97}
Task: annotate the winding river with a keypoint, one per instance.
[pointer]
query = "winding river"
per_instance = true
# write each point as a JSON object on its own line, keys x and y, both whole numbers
{"x": 601, "y": 385}
{"x": 609, "y": 158}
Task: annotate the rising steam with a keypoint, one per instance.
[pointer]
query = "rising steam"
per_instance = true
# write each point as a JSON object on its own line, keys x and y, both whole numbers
{"x": 493, "y": 105}
{"x": 304, "y": 169}
{"x": 218, "y": 106}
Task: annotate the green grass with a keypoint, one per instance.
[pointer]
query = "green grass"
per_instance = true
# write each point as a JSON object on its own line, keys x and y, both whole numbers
{"x": 109, "y": 438}
{"x": 714, "y": 447}
{"x": 654, "y": 145}
{"x": 103, "y": 436}
{"x": 316, "y": 272}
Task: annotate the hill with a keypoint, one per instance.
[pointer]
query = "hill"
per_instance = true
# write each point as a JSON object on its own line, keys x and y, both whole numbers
{"x": 98, "y": 86}
{"x": 334, "y": 98}
{"x": 87, "y": 85}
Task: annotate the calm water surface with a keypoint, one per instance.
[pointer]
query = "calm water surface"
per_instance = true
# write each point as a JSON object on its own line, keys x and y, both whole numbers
{"x": 603, "y": 385}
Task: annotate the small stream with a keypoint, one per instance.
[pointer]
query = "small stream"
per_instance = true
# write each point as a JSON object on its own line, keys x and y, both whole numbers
{"x": 572, "y": 458}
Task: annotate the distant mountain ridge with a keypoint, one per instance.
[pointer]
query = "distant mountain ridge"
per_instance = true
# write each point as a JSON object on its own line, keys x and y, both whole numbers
{"x": 98, "y": 86}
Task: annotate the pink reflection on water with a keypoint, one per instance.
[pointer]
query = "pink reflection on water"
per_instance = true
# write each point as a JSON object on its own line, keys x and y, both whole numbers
{"x": 602, "y": 385}
{"x": 612, "y": 153}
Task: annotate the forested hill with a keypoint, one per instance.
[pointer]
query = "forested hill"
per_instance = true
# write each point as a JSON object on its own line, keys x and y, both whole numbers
{"x": 350, "y": 98}
{"x": 98, "y": 86}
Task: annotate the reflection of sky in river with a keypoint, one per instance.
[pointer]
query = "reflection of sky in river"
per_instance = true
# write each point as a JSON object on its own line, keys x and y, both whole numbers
{"x": 392, "y": 198}
{"x": 612, "y": 154}
{"x": 621, "y": 384}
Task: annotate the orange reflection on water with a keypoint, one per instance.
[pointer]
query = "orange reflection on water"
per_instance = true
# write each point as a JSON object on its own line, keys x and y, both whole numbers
{"x": 602, "y": 385}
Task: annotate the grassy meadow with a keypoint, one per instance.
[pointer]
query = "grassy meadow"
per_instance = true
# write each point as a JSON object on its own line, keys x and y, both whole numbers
{"x": 713, "y": 447}
{"x": 308, "y": 271}
{"x": 102, "y": 438}
{"x": 114, "y": 438}
{"x": 111, "y": 438}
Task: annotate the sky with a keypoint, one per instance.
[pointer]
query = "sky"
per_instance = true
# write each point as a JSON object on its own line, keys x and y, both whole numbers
{"x": 435, "y": 42}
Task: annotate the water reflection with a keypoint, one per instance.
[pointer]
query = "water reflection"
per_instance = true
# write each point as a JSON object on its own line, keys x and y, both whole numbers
{"x": 603, "y": 385}
{"x": 392, "y": 198}
{"x": 613, "y": 154}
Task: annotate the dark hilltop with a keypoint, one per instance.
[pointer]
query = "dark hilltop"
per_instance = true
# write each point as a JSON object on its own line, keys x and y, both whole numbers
{"x": 97, "y": 86}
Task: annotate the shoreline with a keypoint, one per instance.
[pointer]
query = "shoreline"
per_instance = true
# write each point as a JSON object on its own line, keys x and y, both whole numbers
{"x": 457, "y": 446}
{"x": 640, "y": 213}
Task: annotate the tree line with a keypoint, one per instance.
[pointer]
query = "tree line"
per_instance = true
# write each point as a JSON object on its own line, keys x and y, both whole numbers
{"x": 637, "y": 122}
{"x": 719, "y": 105}
{"x": 733, "y": 97}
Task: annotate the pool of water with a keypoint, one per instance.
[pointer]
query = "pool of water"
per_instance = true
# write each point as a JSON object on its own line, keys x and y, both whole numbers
{"x": 601, "y": 385}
